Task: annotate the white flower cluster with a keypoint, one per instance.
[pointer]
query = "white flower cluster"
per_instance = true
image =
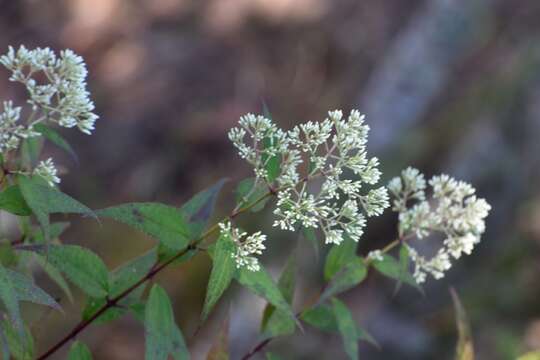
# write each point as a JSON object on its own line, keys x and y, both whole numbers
{"x": 11, "y": 132}
{"x": 453, "y": 210}
{"x": 246, "y": 247}
{"x": 47, "y": 171}
{"x": 56, "y": 87}
{"x": 329, "y": 149}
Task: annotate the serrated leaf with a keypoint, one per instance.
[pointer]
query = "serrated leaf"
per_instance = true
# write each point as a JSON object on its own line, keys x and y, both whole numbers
{"x": 130, "y": 273}
{"x": 223, "y": 269}
{"x": 353, "y": 273}
{"x": 9, "y": 298}
{"x": 339, "y": 256}
{"x": 26, "y": 290}
{"x": 56, "y": 139}
{"x": 79, "y": 351}
{"x": 161, "y": 333}
{"x": 11, "y": 200}
{"x": 248, "y": 191}
{"x": 20, "y": 344}
{"x": 464, "y": 347}
{"x": 394, "y": 269}
{"x": 220, "y": 346}
{"x": 277, "y": 322}
{"x": 45, "y": 200}
{"x": 200, "y": 207}
{"x": 54, "y": 274}
{"x": 346, "y": 327}
{"x": 262, "y": 284}
{"x": 81, "y": 266}
{"x": 165, "y": 223}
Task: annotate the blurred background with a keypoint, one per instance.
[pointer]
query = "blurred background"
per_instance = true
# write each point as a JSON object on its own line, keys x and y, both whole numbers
{"x": 447, "y": 85}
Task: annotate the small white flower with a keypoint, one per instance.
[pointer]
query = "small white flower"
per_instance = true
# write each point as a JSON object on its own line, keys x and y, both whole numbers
{"x": 246, "y": 247}
{"x": 47, "y": 171}
{"x": 375, "y": 255}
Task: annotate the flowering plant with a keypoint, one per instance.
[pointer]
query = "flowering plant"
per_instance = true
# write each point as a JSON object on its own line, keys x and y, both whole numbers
{"x": 320, "y": 174}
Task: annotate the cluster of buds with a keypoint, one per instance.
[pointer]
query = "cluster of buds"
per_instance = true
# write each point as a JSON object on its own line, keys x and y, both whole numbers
{"x": 330, "y": 151}
{"x": 452, "y": 210}
{"x": 246, "y": 246}
{"x": 56, "y": 89}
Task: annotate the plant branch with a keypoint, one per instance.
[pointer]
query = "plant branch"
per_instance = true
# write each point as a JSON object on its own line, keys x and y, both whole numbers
{"x": 155, "y": 270}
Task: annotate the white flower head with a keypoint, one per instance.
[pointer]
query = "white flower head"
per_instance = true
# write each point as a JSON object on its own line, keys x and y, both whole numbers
{"x": 47, "y": 171}
{"x": 246, "y": 246}
{"x": 452, "y": 210}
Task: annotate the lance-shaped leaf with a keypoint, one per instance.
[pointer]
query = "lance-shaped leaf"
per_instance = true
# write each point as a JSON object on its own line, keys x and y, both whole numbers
{"x": 20, "y": 343}
{"x": 45, "y": 200}
{"x": 276, "y": 322}
{"x": 130, "y": 273}
{"x": 464, "y": 347}
{"x": 55, "y": 230}
{"x": 353, "y": 273}
{"x": 346, "y": 327}
{"x": 165, "y": 223}
{"x": 339, "y": 256}
{"x": 395, "y": 269}
{"x": 57, "y": 139}
{"x": 262, "y": 284}
{"x": 26, "y": 290}
{"x": 200, "y": 207}
{"x": 8, "y": 295}
{"x": 54, "y": 274}
{"x": 220, "y": 347}
{"x": 11, "y": 200}
{"x": 81, "y": 266}
{"x": 161, "y": 333}
{"x": 223, "y": 268}
{"x": 79, "y": 351}
{"x": 323, "y": 318}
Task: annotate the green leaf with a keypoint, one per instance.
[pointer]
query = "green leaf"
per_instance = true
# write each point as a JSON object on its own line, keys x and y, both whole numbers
{"x": 353, "y": 273}
{"x": 200, "y": 207}
{"x": 464, "y": 347}
{"x": 347, "y": 328}
{"x": 394, "y": 269}
{"x": 130, "y": 273}
{"x": 55, "y": 230}
{"x": 223, "y": 268}
{"x": 11, "y": 200}
{"x": 56, "y": 139}
{"x": 250, "y": 190}
{"x": 272, "y": 163}
{"x": 277, "y": 322}
{"x": 54, "y": 274}
{"x": 262, "y": 284}
{"x": 162, "y": 335}
{"x": 271, "y": 356}
{"x": 20, "y": 344}
{"x": 26, "y": 290}
{"x": 339, "y": 256}
{"x": 164, "y": 223}
{"x": 79, "y": 351}
{"x": 45, "y": 200}
{"x": 8, "y": 295}
{"x": 81, "y": 266}
{"x": 30, "y": 150}
{"x": 220, "y": 347}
